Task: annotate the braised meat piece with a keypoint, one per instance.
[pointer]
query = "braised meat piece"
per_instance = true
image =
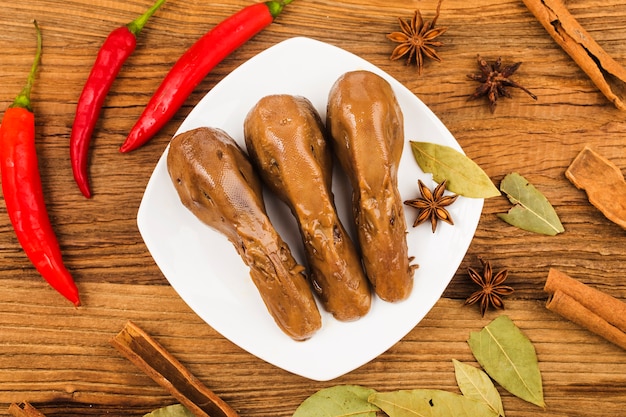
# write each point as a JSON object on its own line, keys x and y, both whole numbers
{"x": 366, "y": 125}
{"x": 215, "y": 180}
{"x": 286, "y": 141}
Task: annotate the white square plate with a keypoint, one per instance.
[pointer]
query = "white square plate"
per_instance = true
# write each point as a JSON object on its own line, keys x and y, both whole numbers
{"x": 204, "y": 268}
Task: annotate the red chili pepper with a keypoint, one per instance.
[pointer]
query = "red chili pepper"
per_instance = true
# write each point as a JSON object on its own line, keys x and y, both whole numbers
{"x": 115, "y": 50}
{"x": 196, "y": 63}
{"x": 23, "y": 193}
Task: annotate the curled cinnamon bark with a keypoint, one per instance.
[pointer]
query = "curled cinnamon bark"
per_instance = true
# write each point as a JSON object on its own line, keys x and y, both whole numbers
{"x": 24, "y": 410}
{"x": 156, "y": 362}
{"x": 607, "y": 74}
{"x": 571, "y": 309}
{"x": 603, "y": 182}
{"x": 588, "y": 307}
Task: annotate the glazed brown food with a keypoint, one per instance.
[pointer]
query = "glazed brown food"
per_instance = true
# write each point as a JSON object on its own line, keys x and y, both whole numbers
{"x": 286, "y": 141}
{"x": 366, "y": 126}
{"x": 215, "y": 180}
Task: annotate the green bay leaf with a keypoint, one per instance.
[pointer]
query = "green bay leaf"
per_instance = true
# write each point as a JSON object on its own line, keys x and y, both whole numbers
{"x": 531, "y": 211}
{"x": 476, "y": 384}
{"x": 176, "y": 410}
{"x": 430, "y": 403}
{"x": 464, "y": 176}
{"x": 338, "y": 401}
{"x": 509, "y": 357}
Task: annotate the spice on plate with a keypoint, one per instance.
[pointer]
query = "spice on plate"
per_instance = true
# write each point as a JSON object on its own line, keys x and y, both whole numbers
{"x": 432, "y": 205}
{"x": 417, "y": 39}
{"x": 495, "y": 79}
{"x": 492, "y": 287}
{"x": 463, "y": 176}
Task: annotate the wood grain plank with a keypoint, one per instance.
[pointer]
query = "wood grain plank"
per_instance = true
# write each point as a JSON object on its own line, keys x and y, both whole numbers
{"x": 59, "y": 358}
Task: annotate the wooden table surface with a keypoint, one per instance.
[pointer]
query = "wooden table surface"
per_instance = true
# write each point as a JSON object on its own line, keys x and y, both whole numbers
{"x": 60, "y": 358}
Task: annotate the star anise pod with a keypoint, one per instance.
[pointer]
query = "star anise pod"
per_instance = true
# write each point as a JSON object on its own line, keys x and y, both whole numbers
{"x": 417, "y": 39}
{"x": 495, "y": 79}
{"x": 491, "y": 287}
{"x": 431, "y": 205}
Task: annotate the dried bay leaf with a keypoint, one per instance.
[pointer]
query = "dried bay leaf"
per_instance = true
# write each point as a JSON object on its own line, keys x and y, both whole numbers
{"x": 532, "y": 211}
{"x": 508, "y": 356}
{"x": 176, "y": 410}
{"x": 338, "y": 401}
{"x": 476, "y": 384}
{"x": 464, "y": 176}
{"x": 431, "y": 403}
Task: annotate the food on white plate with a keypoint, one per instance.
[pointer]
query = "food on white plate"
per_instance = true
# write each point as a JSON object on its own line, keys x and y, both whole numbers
{"x": 366, "y": 125}
{"x": 216, "y": 182}
{"x": 285, "y": 138}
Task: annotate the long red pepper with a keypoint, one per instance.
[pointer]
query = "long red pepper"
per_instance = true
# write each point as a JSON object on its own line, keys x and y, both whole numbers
{"x": 115, "y": 50}
{"x": 196, "y": 63}
{"x": 23, "y": 193}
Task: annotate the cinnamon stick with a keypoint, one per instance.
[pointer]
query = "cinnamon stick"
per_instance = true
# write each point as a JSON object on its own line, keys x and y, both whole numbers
{"x": 24, "y": 410}
{"x": 152, "y": 358}
{"x": 569, "y": 308}
{"x": 603, "y": 182}
{"x": 588, "y": 307}
{"x": 606, "y": 73}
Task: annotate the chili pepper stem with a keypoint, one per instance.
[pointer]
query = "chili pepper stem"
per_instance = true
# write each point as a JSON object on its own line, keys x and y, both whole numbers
{"x": 276, "y": 7}
{"x": 136, "y": 25}
{"x": 23, "y": 99}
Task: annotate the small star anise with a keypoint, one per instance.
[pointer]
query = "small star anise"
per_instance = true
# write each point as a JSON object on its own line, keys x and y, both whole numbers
{"x": 431, "y": 205}
{"x": 417, "y": 39}
{"x": 495, "y": 79}
{"x": 491, "y": 287}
